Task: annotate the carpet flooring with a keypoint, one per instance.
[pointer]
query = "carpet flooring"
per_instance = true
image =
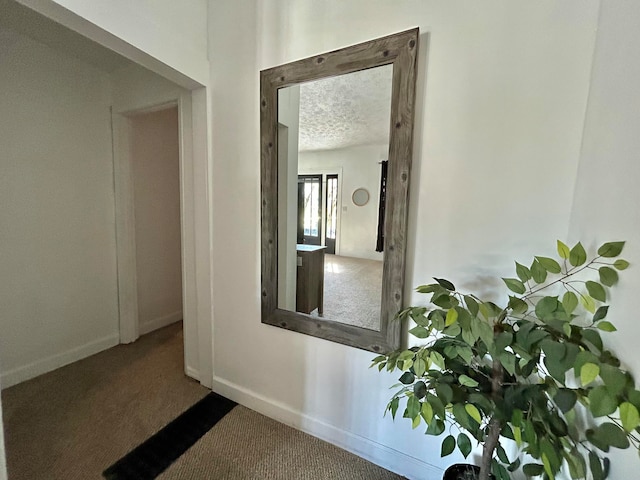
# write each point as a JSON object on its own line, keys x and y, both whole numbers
{"x": 352, "y": 290}
{"x": 151, "y": 458}
{"x": 77, "y": 421}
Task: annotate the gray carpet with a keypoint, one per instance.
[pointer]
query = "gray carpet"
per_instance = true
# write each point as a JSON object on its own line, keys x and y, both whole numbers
{"x": 76, "y": 421}
{"x": 352, "y": 291}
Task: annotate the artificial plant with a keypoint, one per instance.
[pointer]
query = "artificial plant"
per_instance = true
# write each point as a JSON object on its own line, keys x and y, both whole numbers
{"x": 532, "y": 370}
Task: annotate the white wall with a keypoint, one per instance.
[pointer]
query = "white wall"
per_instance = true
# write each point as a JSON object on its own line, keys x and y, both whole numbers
{"x": 167, "y": 36}
{"x": 605, "y": 205}
{"x": 501, "y": 96}
{"x": 57, "y": 262}
{"x": 358, "y": 229}
{"x": 155, "y": 157}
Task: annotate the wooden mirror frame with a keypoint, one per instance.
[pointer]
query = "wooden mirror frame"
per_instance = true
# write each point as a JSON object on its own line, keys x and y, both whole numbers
{"x": 400, "y": 50}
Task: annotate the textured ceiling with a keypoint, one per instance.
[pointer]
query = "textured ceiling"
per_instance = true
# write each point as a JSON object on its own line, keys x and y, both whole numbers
{"x": 27, "y": 22}
{"x": 346, "y": 111}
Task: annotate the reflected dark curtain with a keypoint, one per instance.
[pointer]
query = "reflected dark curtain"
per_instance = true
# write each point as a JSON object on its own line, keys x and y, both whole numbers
{"x": 381, "y": 206}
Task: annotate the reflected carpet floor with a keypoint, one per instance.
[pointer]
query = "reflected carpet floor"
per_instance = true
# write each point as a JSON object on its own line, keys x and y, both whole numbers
{"x": 352, "y": 290}
{"x": 75, "y": 422}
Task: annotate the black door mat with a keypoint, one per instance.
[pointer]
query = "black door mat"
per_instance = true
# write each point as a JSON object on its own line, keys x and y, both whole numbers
{"x": 152, "y": 457}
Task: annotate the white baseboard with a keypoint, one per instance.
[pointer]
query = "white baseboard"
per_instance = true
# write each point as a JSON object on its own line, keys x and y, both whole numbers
{"x": 192, "y": 372}
{"x": 45, "y": 365}
{"x": 155, "y": 324}
{"x": 381, "y": 455}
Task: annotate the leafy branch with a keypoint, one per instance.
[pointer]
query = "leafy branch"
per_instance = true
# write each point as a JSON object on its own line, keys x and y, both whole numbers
{"x": 522, "y": 370}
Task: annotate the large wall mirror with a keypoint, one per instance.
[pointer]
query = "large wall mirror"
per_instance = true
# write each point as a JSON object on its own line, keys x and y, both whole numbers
{"x": 331, "y": 125}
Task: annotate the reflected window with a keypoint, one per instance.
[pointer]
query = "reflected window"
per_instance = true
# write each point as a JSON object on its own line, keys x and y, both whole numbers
{"x": 309, "y": 208}
{"x": 332, "y": 213}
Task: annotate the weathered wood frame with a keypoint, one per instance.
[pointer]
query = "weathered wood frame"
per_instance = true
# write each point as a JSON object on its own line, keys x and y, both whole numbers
{"x": 400, "y": 50}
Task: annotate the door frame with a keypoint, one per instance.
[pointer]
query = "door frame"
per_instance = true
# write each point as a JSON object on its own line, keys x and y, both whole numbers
{"x": 319, "y": 179}
{"x": 324, "y": 172}
{"x": 195, "y": 235}
{"x": 195, "y": 171}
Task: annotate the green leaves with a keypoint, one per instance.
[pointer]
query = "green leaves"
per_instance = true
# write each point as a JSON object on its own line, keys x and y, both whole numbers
{"x": 563, "y": 250}
{"x": 451, "y": 318}
{"x": 464, "y": 445}
{"x": 588, "y": 303}
{"x": 601, "y": 313}
{"x": 420, "y": 332}
{"x": 426, "y": 412}
{"x": 595, "y": 466}
{"x": 515, "y": 285}
{"x": 608, "y": 276}
{"x": 473, "y": 412}
{"x": 523, "y": 272}
{"x": 413, "y": 408}
{"x": 407, "y": 378}
{"x": 596, "y": 291}
{"x": 419, "y": 366}
{"x": 606, "y": 326}
{"x": 621, "y": 264}
{"x": 517, "y": 305}
{"x": 577, "y": 255}
{"x": 569, "y": 302}
{"x": 445, "y": 283}
{"x": 448, "y": 446}
{"x": 565, "y": 399}
{"x": 472, "y": 305}
{"x": 467, "y": 381}
{"x": 629, "y": 416}
{"x": 547, "y": 307}
{"x": 611, "y": 249}
{"x": 538, "y": 272}
{"x": 549, "y": 264}
{"x": 602, "y": 402}
{"x": 550, "y": 355}
{"x": 436, "y": 427}
{"x": 608, "y": 435}
{"x": 532, "y": 469}
{"x": 588, "y": 373}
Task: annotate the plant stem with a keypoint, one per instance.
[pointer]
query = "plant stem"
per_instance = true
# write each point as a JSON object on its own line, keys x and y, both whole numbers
{"x": 569, "y": 273}
{"x": 495, "y": 426}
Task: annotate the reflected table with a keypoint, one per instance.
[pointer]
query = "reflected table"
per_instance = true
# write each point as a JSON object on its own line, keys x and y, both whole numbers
{"x": 310, "y": 278}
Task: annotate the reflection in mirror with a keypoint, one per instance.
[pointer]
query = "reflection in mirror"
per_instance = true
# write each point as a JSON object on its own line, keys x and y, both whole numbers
{"x": 327, "y": 124}
{"x": 342, "y": 126}
{"x": 360, "y": 197}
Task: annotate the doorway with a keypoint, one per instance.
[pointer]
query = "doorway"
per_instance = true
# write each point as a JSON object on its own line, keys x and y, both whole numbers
{"x": 331, "y": 216}
{"x": 318, "y": 212}
{"x": 155, "y": 166}
{"x": 191, "y": 203}
{"x": 310, "y": 209}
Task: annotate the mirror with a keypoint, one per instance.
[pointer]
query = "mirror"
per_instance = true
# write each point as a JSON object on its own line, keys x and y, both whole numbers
{"x": 306, "y": 248}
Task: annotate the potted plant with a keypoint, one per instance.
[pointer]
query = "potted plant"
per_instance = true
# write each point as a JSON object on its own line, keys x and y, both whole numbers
{"x": 526, "y": 370}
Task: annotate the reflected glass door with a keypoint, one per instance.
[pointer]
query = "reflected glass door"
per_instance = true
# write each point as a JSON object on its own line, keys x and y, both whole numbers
{"x": 309, "y": 209}
{"x": 331, "y": 226}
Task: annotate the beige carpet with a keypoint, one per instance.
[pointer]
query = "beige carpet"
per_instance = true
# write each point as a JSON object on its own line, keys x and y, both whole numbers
{"x": 352, "y": 290}
{"x": 245, "y": 445}
{"x": 76, "y": 421}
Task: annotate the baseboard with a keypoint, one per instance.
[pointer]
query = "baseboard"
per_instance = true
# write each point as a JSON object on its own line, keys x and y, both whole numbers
{"x": 39, "y": 367}
{"x": 155, "y": 324}
{"x": 381, "y": 455}
{"x": 192, "y": 372}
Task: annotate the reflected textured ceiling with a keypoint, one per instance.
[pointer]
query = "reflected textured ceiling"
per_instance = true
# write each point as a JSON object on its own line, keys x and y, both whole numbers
{"x": 346, "y": 111}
